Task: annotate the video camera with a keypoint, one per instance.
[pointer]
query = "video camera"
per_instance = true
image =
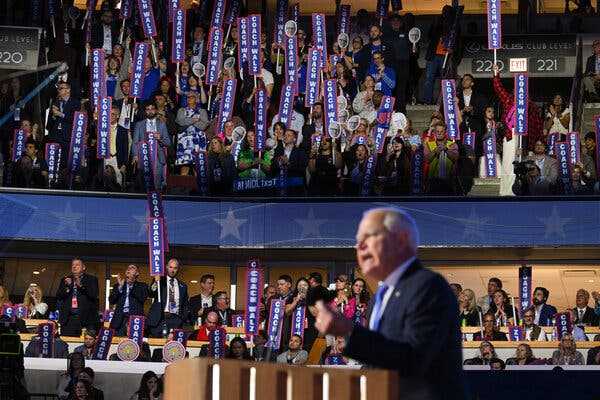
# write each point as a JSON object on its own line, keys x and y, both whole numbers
{"x": 521, "y": 168}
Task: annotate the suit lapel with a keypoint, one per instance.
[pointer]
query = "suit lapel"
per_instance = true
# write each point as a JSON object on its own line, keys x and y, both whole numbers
{"x": 395, "y": 302}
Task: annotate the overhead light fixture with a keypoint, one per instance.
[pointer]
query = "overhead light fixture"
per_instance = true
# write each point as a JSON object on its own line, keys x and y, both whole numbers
{"x": 590, "y": 281}
{"x": 193, "y": 281}
{"x": 36, "y": 272}
{"x": 114, "y": 275}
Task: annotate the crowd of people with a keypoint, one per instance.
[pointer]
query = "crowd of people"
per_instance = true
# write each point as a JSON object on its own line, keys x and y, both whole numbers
{"x": 185, "y": 115}
{"x": 78, "y": 314}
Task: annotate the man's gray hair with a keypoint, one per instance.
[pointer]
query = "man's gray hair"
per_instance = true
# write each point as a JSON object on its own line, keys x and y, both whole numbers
{"x": 397, "y": 220}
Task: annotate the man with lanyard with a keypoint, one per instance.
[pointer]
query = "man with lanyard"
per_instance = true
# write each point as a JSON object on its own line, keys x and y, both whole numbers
{"x": 78, "y": 298}
{"x": 128, "y": 296}
{"x": 171, "y": 311}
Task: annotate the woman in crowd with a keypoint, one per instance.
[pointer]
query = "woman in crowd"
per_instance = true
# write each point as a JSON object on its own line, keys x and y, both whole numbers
{"x": 323, "y": 170}
{"x": 490, "y": 329}
{"x": 113, "y": 67}
{"x": 82, "y": 390}
{"x": 4, "y": 300}
{"x": 340, "y": 301}
{"x": 333, "y": 355}
{"x": 358, "y": 302}
{"x": 67, "y": 381}
{"x": 469, "y": 312}
{"x": 36, "y": 308}
{"x": 504, "y": 312}
{"x": 221, "y": 168}
{"x": 346, "y": 83}
{"x": 165, "y": 88}
{"x": 567, "y": 353}
{"x": 398, "y": 168}
{"x": 87, "y": 375}
{"x": 558, "y": 117}
{"x": 249, "y": 164}
{"x": 523, "y": 356}
{"x": 238, "y": 350}
{"x": 356, "y": 171}
{"x": 363, "y": 101}
{"x": 150, "y": 388}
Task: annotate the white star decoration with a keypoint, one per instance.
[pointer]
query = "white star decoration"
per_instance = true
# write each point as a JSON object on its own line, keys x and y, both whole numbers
{"x": 142, "y": 221}
{"x": 554, "y": 225}
{"x": 474, "y": 225}
{"x": 68, "y": 219}
{"x": 310, "y": 225}
{"x": 230, "y": 225}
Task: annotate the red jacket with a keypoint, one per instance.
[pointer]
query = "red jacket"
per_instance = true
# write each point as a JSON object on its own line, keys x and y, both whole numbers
{"x": 535, "y": 122}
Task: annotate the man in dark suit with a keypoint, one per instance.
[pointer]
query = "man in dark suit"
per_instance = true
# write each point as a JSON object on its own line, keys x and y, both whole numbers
{"x": 171, "y": 311}
{"x": 105, "y": 34}
{"x": 129, "y": 296}
{"x": 413, "y": 318}
{"x": 60, "y": 118}
{"x": 472, "y": 107}
{"x": 543, "y": 312}
{"x": 289, "y": 156}
{"x": 584, "y": 315}
{"x": 77, "y": 296}
{"x": 220, "y": 305}
{"x": 591, "y": 80}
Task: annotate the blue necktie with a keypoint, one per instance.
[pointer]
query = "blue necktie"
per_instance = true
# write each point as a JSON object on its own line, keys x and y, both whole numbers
{"x": 376, "y": 313}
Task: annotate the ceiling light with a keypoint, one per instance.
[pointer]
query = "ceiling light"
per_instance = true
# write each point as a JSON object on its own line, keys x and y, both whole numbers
{"x": 114, "y": 275}
{"x": 194, "y": 281}
{"x": 36, "y": 272}
{"x": 590, "y": 281}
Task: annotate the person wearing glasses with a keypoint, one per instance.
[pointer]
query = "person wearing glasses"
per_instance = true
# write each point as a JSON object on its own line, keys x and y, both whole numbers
{"x": 532, "y": 332}
{"x": 221, "y": 307}
{"x": 384, "y": 76}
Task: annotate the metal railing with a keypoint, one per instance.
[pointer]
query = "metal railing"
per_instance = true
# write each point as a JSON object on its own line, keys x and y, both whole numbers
{"x": 576, "y": 98}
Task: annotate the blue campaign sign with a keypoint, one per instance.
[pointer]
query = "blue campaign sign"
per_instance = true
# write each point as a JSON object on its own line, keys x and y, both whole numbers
{"x": 297, "y": 224}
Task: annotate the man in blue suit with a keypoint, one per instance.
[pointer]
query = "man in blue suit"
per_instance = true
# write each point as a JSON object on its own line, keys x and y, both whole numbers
{"x": 413, "y": 317}
{"x": 172, "y": 309}
{"x": 153, "y": 126}
{"x": 543, "y": 312}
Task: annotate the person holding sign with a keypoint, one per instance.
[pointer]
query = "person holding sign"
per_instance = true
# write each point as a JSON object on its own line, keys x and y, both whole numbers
{"x": 158, "y": 129}
{"x": 440, "y": 154}
{"x": 170, "y": 308}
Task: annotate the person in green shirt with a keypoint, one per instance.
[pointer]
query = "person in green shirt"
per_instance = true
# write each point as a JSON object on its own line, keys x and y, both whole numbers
{"x": 248, "y": 159}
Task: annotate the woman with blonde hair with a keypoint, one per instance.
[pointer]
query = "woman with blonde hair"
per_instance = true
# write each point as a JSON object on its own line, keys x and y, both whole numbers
{"x": 469, "y": 312}
{"x": 36, "y": 308}
{"x": 4, "y": 297}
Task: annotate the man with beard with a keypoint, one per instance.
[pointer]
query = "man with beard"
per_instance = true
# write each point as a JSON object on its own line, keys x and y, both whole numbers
{"x": 158, "y": 129}
{"x": 543, "y": 312}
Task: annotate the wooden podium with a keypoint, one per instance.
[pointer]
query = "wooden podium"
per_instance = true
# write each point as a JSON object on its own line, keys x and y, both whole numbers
{"x": 207, "y": 379}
